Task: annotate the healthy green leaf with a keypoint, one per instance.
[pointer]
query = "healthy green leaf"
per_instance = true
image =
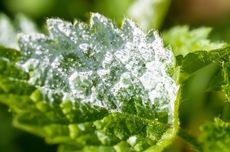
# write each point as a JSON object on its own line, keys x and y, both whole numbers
{"x": 183, "y": 40}
{"x": 192, "y": 62}
{"x": 197, "y": 61}
{"x": 215, "y": 65}
{"x": 92, "y": 87}
{"x": 216, "y": 136}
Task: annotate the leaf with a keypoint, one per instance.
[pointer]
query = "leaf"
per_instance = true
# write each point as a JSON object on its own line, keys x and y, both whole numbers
{"x": 215, "y": 61}
{"x": 183, "y": 40}
{"x": 192, "y": 62}
{"x": 205, "y": 71}
{"x": 215, "y": 136}
{"x": 9, "y": 29}
{"x": 93, "y": 87}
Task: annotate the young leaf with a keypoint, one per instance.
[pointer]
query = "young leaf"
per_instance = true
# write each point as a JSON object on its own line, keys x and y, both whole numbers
{"x": 197, "y": 61}
{"x": 183, "y": 40}
{"x": 94, "y": 87}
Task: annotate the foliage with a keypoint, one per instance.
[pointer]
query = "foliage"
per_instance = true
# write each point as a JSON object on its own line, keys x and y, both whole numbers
{"x": 95, "y": 86}
{"x": 216, "y": 136}
{"x": 183, "y": 40}
{"x": 72, "y": 86}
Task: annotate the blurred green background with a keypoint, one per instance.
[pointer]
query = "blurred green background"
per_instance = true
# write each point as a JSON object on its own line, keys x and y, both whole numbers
{"x": 199, "y": 105}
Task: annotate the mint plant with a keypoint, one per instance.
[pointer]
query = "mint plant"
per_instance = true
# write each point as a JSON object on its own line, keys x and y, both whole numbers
{"x": 96, "y": 87}
{"x": 93, "y": 87}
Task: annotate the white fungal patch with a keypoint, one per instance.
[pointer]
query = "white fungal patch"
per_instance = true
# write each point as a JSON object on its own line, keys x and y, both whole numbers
{"x": 101, "y": 65}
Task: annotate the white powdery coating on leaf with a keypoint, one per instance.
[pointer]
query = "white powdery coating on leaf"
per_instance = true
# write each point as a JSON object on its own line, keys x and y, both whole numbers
{"x": 100, "y": 64}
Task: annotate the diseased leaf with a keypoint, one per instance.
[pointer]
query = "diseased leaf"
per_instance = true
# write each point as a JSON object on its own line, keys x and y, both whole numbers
{"x": 216, "y": 136}
{"x": 183, "y": 40}
{"x": 93, "y": 87}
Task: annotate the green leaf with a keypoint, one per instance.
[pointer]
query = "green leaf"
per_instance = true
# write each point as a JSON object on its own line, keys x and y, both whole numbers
{"x": 183, "y": 40}
{"x": 94, "y": 87}
{"x": 205, "y": 71}
{"x": 193, "y": 62}
{"x": 217, "y": 60}
{"x": 215, "y": 136}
